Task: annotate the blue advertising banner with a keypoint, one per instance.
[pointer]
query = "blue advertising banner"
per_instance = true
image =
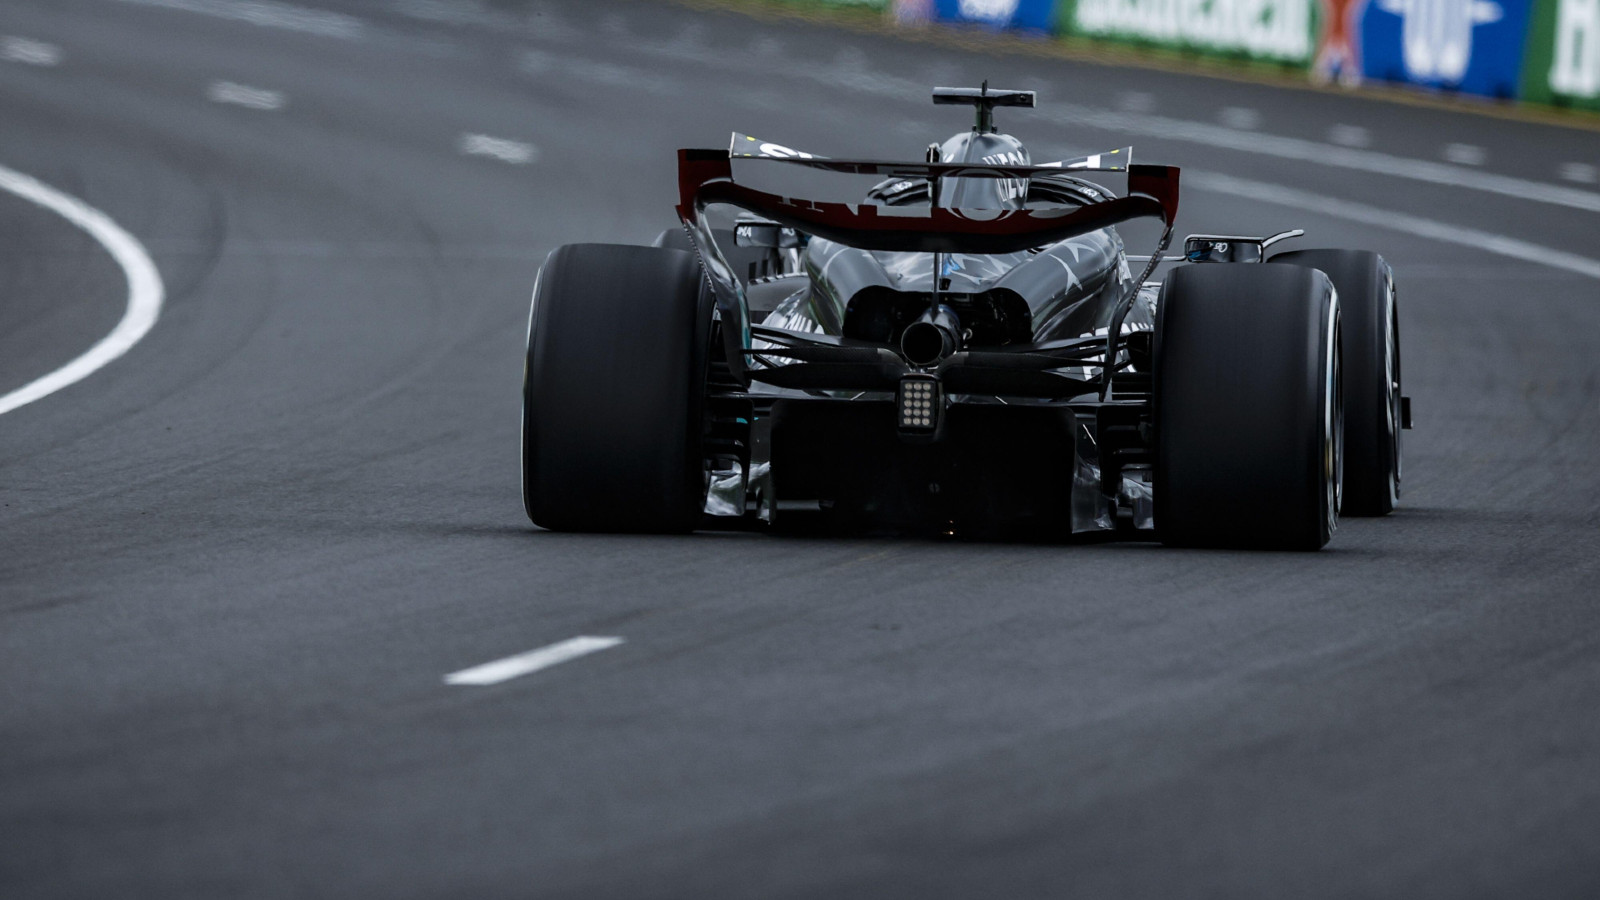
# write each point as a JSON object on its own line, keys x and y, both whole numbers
{"x": 1473, "y": 46}
{"x": 1029, "y": 15}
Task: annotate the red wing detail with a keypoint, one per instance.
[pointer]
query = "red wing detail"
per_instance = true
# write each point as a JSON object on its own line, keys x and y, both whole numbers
{"x": 706, "y": 176}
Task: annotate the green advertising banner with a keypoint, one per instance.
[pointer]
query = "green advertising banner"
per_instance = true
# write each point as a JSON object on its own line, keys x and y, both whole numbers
{"x": 1282, "y": 31}
{"x": 1562, "y": 63}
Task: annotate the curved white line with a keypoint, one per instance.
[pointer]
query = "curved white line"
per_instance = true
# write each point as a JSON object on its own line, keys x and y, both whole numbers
{"x": 145, "y": 291}
{"x": 1487, "y": 241}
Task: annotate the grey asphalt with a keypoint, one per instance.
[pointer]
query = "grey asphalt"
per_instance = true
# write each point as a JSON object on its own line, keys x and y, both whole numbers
{"x": 236, "y": 563}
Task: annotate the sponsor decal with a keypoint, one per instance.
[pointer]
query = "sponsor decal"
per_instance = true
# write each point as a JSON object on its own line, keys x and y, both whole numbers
{"x": 1474, "y": 46}
{"x": 1028, "y": 15}
{"x": 1564, "y": 54}
{"x": 1576, "y": 69}
{"x": 1267, "y": 29}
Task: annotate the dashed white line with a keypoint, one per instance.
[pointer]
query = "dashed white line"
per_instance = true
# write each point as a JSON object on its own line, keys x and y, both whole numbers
{"x": 244, "y": 95}
{"x": 1241, "y": 118}
{"x": 269, "y": 14}
{"x": 1431, "y": 229}
{"x": 1136, "y": 101}
{"x": 541, "y": 64}
{"x": 531, "y": 661}
{"x": 145, "y": 290}
{"x": 1350, "y": 136}
{"x": 1582, "y": 173}
{"x": 514, "y": 152}
{"x": 1465, "y": 154}
{"x": 28, "y": 51}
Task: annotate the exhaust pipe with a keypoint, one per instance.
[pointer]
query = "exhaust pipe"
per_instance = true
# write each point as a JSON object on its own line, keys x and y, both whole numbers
{"x": 934, "y": 336}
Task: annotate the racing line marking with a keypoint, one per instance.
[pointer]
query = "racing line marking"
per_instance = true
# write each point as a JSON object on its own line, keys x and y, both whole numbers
{"x": 145, "y": 290}
{"x": 514, "y": 152}
{"x": 1580, "y": 172}
{"x": 1498, "y": 244}
{"x": 29, "y": 52}
{"x": 1136, "y": 101}
{"x": 268, "y": 14}
{"x": 1350, "y": 136}
{"x": 531, "y": 661}
{"x": 1240, "y": 118}
{"x": 244, "y": 95}
{"x": 1465, "y": 154}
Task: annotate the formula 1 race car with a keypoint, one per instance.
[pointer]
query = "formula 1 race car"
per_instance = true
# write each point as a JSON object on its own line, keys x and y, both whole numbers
{"x": 964, "y": 351}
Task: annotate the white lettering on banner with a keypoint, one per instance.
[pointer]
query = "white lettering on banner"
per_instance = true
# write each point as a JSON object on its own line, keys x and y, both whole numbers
{"x": 997, "y": 11}
{"x": 1280, "y": 29}
{"x": 1577, "y": 64}
{"x": 1437, "y": 34}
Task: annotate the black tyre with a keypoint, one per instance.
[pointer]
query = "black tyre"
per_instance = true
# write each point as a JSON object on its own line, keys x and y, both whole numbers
{"x": 613, "y": 390}
{"x": 1371, "y": 343}
{"x": 1247, "y": 407}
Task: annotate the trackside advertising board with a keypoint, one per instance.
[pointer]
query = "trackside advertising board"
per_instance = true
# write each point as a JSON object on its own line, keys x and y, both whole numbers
{"x": 1544, "y": 51}
{"x": 1473, "y": 46}
{"x": 1023, "y": 15}
{"x": 1562, "y": 67}
{"x": 1277, "y": 30}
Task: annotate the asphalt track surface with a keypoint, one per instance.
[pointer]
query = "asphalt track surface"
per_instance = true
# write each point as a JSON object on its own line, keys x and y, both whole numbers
{"x": 237, "y": 563}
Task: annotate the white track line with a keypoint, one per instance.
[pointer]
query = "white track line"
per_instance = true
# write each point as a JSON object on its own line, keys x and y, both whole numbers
{"x": 1350, "y": 136}
{"x": 1136, "y": 101}
{"x": 29, "y": 52}
{"x": 1580, "y": 172}
{"x": 244, "y": 95}
{"x": 532, "y": 661}
{"x": 514, "y": 152}
{"x": 269, "y": 14}
{"x": 1487, "y": 241}
{"x": 1466, "y": 154}
{"x": 145, "y": 290}
{"x": 1240, "y": 118}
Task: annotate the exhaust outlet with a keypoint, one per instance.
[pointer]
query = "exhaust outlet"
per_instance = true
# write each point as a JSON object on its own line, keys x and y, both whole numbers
{"x": 934, "y": 336}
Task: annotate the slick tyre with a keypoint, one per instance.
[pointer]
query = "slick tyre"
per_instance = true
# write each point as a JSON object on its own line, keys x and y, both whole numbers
{"x": 1247, "y": 407}
{"x": 613, "y": 390}
{"x": 1371, "y": 345}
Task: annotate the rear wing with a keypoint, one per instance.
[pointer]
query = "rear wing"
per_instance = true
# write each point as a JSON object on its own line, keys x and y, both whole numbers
{"x": 705, "y": 177}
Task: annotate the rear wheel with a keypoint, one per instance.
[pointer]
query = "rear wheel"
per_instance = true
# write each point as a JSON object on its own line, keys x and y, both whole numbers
{"x": 613, "y": 390}
{"x": 1371, "y": 344}
{"x": 1247, "y": 406}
